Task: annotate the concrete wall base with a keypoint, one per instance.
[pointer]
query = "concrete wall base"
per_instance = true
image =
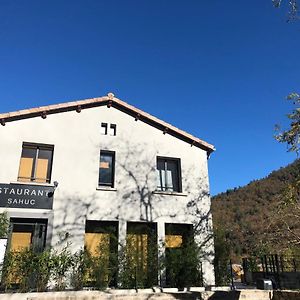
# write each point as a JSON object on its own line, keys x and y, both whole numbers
{"x": 133, "y": 295}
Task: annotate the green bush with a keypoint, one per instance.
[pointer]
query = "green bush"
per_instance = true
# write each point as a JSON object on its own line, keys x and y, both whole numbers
{"x": 79, "y": 269}
{"x": 27, "y": 270}
{"x": 183, "y": 266}
{"x": 4, "y": 225}
{"x": 43, "y": 270}
{"x": 62, "y": 262}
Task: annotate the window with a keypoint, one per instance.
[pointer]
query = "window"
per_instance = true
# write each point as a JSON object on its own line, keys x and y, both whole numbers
{"x": 111, "y": 129}
{"x": 104, "y": 128}
{"x": 27, "y": 233}
{"x": 36, "y": 163}
{"x": 141, "y": 253}
{"x": 168, "y": 174}
{"x": 181, "y": 257}
{"x": 101, "y": 242}
{"x": 107, "y": 168}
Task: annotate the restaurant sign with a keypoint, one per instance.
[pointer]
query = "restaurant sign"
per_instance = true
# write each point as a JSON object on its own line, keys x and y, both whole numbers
{"x": 26, "y": 196}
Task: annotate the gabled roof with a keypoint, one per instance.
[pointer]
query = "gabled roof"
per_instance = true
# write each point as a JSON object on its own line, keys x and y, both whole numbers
{"x": 111, "y": 101}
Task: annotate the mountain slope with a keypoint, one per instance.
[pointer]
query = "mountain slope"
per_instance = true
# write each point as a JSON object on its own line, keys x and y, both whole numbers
{"x": 243, "y": 214}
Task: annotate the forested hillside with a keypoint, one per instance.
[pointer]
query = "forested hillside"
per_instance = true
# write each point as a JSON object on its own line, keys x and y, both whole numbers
{"x": 250, "y": 218}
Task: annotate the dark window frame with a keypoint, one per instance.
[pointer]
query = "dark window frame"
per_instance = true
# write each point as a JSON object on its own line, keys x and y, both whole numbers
{"x": 178, "y": 179}
{"x": 37, "y": 147}
{"x": 39, "y": 234}
{"x": 112, "y": 183}
{"x": 113, "y": 129}
{"x": 105, "y": 127}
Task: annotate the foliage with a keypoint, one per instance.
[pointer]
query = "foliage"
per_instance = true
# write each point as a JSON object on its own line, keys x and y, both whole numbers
{"x": 183, "y": 266}
{"x": 285, "y": 221}
{"x": 293, "y": 8}
{"x": 291, "y": 136}
{"x": 102, "y": 268}
{"x": 134, "y": 272}
{"x": 222, "y": 257}
{"x": 62, "y": 262}
{"x": 43, "y": 267}
{"x": 79, "y": 269}
{"x": 246, "y": 214}
{"x": 4, "y": 225}
{"x": 27, "y": 269}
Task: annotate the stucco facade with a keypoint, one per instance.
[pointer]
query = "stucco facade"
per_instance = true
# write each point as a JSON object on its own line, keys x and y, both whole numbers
{"x": 77, "y": 141}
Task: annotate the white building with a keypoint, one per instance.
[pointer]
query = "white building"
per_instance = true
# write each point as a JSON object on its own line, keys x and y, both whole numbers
{"x": 118, "y": 170}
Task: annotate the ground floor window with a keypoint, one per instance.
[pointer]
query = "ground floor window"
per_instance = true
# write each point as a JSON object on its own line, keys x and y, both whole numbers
{"x": 140, "y": 255}
{"x": 101, "y": 245}
{"x": 182, "y": 257}
{"x": 27, "y": 234}
{"x": 26, "y": 240}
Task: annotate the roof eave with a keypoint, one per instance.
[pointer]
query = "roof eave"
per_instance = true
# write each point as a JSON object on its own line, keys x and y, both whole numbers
{"x": 110, "y": 101}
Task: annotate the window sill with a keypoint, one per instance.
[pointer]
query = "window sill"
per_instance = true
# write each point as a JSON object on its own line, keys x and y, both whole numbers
{"x": 33, "y": 183}
{"x": 170, "y": 193}
{"x": 108, "y": 189}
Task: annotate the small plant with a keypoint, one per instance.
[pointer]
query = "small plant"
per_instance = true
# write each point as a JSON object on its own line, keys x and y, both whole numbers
{"x": 43, "y": 266}
{"x": 61, "y": 263}
{"x": 8, "y": 271}
{"x": 4, "y": 225}
{"x": 18, "y": 270}
{"x": 80, "y": 267}
{"x": 183, "y": 265}
{"x": 139, "y": 262}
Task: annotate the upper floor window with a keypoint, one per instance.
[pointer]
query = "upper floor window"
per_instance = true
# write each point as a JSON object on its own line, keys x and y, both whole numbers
{"x": 113, "y": 129}
{"x": 104, "y": 128}
{"x": 168, "y": 174}
{"x": 36, "y": 163}
{"x": 108, "y": 129}
{"x": 107, "y": 168}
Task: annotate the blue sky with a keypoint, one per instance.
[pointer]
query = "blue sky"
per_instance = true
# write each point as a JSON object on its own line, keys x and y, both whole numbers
{"x": 217, "y": 69}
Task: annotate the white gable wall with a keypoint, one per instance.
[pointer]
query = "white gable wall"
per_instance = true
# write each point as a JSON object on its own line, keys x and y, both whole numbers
{"x": 77, "y": 142}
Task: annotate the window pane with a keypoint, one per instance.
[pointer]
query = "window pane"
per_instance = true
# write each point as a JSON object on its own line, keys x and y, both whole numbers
{"x": 29, "y": 152}
{"x": 26, "y": 167}
{"x": 97, "y": 244}
{"x": 173, "y": 241}
{"x": 26, "y": 170}
{"x": 160, "y": 175}
{"x": 160, "y": 180}
{"x": 172, "y": 175}
{"x": 169, "y": 180}
{"x": 20, "y": 240}
{"x": 41, "y": 170}
{"x": 160, "y": 164}
{"x": 42, "y": 173}
{"x": 106, "y": 176}
{"x": 137, "y": 250}
{"x": 168, "y": 175}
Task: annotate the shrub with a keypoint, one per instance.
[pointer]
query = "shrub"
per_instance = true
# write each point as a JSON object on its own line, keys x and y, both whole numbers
{"x": 61, "y": 263}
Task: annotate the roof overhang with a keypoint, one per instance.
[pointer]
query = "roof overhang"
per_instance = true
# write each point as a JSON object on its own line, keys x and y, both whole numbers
{"x": 110, "y": 101}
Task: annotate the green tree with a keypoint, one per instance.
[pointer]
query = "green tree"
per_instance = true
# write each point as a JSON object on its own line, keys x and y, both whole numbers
{"x": 222, "y": 257}
{"x": 284, "y": 222}
{"x": 291, "y": 136}
{"x": 293, "y": 8}
{"x": 287, "y": 216}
